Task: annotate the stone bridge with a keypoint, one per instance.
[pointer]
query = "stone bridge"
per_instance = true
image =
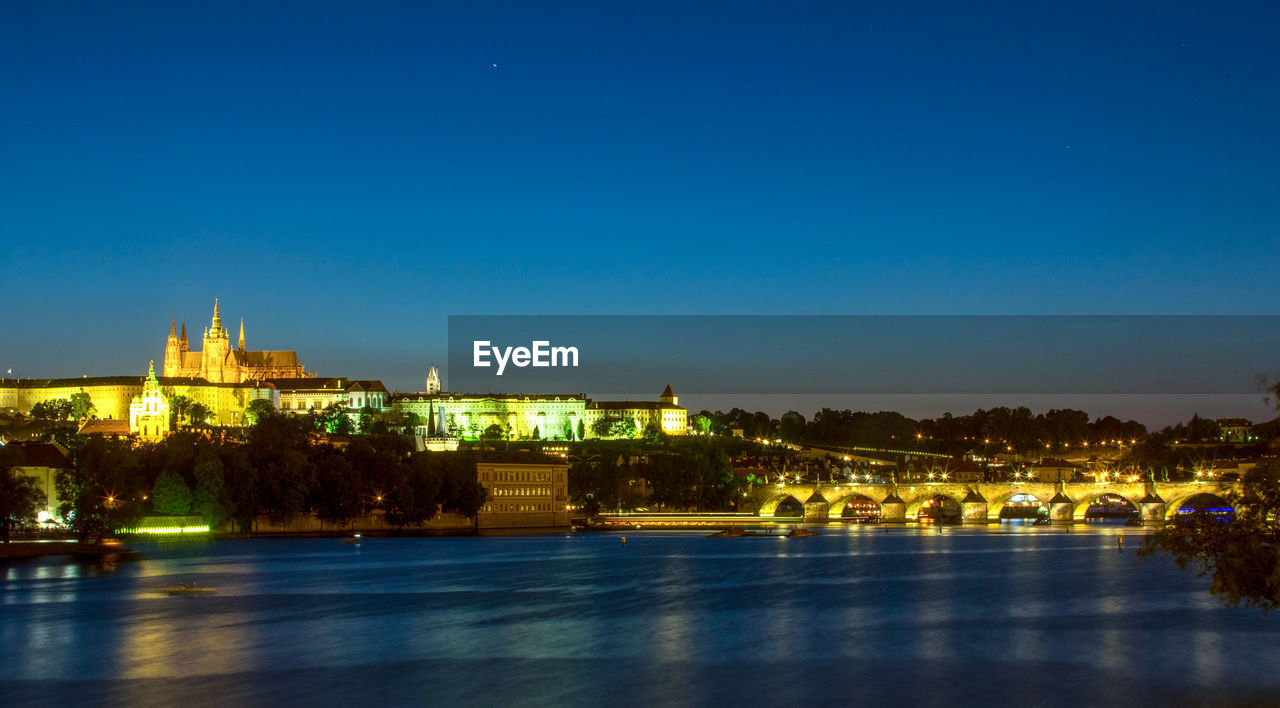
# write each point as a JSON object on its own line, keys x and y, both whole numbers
{"x": 981, "y": 503}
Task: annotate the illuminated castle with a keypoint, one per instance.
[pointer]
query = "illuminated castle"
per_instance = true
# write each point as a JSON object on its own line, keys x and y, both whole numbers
{"x": 217, "y": 362}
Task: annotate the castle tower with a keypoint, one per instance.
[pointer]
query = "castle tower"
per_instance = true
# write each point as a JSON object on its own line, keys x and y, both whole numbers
{"x": 172, "y": 352}
{"x": 669, "y": 396}
{"x": 433, "y": 381}
{"x": 216, "y": 348}
{"x": 216, "y": 327}
{"x": 241, "y": 345}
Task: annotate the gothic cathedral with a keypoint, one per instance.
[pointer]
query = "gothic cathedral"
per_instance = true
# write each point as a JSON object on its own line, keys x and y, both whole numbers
{"x": 217, "y": 362}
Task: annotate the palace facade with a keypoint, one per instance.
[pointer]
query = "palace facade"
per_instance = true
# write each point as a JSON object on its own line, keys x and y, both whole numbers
{"x": 113, "y": 396}
{"x": 565, "y": 416}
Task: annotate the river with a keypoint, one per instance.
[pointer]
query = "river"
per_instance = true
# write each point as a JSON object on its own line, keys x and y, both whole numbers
{"x": 1014, "y": 615}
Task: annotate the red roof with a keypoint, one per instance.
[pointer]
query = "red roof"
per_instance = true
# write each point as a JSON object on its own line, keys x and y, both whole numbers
{"x": 36, "y": 454}
{"x": 109, "y": 426}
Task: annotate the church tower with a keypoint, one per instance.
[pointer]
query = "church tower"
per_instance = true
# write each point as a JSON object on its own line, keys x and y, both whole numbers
{"x": 172, "y": 354}
{"x": 149, "y": 412}
{"x": 433, "y": 381}
{"x": 669, "y": 396}
{"x": 217, "y": 345}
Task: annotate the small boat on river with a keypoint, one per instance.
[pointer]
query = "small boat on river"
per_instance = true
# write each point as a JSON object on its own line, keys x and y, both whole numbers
{"x": 190, "y": 589}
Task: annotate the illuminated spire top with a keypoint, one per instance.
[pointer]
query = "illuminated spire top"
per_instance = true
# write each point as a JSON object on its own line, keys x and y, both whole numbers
{"x": 173, "y": 328}
{"x": 241, "y": 334}
{"x": 184, "y": 331}
{"x": 151, "y": 372}
{"x": 217, "y": 317}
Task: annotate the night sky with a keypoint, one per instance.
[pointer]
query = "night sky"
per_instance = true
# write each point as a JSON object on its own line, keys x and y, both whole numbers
{"x": 345, "y": 176}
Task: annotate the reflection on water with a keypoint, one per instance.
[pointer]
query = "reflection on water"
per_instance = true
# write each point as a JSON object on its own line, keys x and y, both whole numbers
{"x": 674, "y": 618}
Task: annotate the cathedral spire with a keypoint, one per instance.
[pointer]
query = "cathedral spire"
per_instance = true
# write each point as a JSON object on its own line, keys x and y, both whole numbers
{"x": 217, "y": 318}
{"x": 241, "y": 334}
{"x": 173, "y": 329}
{"x": 183, "y": 339}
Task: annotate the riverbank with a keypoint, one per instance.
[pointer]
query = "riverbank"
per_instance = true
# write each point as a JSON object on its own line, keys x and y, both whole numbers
{"x": 38, "y": 549}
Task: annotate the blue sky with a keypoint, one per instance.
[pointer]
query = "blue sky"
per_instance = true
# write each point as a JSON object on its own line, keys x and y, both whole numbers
{"x": 345, "y": 176}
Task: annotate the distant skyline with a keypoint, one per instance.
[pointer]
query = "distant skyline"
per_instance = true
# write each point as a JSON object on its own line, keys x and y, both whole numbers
{"x": 344, "y": 178}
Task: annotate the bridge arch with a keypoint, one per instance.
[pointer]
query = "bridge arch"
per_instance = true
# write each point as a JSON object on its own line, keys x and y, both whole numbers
{"x": 770, "y": 505}
{"x": 1083, "y": 503}
{"x": 928, "y": 495}
{"x": 999, "y": 502}
{"x": 1172, "y": 506}
{"x": 838, "y": 505}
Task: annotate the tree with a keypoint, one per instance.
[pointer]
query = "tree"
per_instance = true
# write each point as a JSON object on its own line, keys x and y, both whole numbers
{"x": 198, "y": 414}
{"x": 53, "y": 409}
{"x": 334, "y": 419}
{"x": 178, "y": 407}
{"x": 81, "y": 406}
{"x": 208, "y": 498}
{"x": 791, "y": 426}
{"x": 171, "y": 496}
{"x": 256, "y": 410}
{"x": 19, "y": 494}
{"x": 493, "y": 432}
{"x": 464, "y": 494}
{"x": 614, "y": 428}
{"x": 103, "y": 491}
{"x": 568, "y": 430}
{"x": 337, "y": 487}
{"x": 537, "y": 434}
{"x": 1242, "y": 552}
{"x": 277, "y": 449}
{"x": 582, "y": 430}
{"x": 365, "y": 420}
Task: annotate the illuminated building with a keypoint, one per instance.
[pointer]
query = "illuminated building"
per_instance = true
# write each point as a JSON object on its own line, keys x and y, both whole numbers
{"x": 149, "y": 410}
{"x": 42, "y": 462}
{"x": 1236, "y": 430}
{"x": 665, "y": 413}
{"x": 217, "y": 362}
{"x": 527, "y": 416}
{"x": 469, "y": 415}
{"x": 522, "y": 490}
{"x": 113, "y": 396}
{"x": 1051, "y": 470}
{"x": 303, "y": 395}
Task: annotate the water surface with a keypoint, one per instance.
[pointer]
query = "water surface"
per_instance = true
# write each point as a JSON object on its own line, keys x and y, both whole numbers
{"x": 1016, "y": 616}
